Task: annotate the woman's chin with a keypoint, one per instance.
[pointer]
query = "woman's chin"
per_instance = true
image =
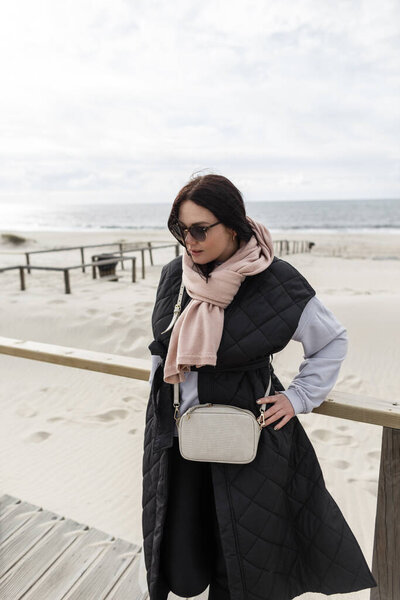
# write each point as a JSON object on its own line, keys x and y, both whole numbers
{"x": 198, "y": 258}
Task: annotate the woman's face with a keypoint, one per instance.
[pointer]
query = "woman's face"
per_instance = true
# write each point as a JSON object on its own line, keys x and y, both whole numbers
{"x": 220, "y": 243}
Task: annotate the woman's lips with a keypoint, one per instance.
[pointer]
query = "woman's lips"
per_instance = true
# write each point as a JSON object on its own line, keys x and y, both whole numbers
{"x": 196, "y": 251}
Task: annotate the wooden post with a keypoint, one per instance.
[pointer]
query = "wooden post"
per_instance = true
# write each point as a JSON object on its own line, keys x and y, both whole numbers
{"x": 27, "y": 261}
{"x": 83, "y": 259}
{"x": 121, "y": 252}
{"x": 386, "y": 557}
{"x": 143, "y": 267}
{"x": 177, "y": 248}
{"x": 93, "y": 268}
{"x": 22, "y": 277}
{"x": 66, "y": 281}
{"x": 150, "y": 253}
{"x": 134, "y": 269}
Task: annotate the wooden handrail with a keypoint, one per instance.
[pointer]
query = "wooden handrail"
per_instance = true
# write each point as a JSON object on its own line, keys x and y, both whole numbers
{"x": 112, "y": 364}
{"x": 339, "y": 404}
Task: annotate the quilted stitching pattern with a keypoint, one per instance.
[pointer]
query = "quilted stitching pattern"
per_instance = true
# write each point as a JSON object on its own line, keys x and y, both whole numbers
{"x": 283, "y": 533}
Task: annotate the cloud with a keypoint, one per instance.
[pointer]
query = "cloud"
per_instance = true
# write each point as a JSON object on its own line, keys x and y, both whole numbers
{"x": 289, "y": 99}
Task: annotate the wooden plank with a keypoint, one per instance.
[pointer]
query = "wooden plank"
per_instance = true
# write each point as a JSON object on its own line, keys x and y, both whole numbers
{"x": 356, "y": 407}
{"x": 103, "y": 575}
{"x": 16, "y": 517}
{"x": 37, "y": 562}
{"x": 7, "y": 503}
{"x": 62, "y": 574}
{"x": 128, "y": 584}
{"x": 25, "y": 537}
{"x": 52, "y": 557}
{"x": 386, "y": 556}
{"x": 113, "y": 364}
{"x": 364, "y": 409}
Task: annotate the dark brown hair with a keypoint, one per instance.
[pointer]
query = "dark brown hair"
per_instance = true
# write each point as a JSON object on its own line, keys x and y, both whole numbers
{"x": 222, "y": 198}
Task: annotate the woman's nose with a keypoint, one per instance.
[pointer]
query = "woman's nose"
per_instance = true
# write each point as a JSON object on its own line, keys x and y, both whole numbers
{"x": 188, "y": 237}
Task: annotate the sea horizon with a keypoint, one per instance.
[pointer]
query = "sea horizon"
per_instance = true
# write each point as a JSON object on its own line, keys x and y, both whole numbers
{"x": 318, "y": 216}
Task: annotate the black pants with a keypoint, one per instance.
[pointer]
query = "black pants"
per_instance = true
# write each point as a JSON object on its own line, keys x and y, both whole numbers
{"x": 191, "y": 552}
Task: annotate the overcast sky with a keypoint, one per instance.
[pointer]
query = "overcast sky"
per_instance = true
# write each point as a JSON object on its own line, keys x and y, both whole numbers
{"x": 123, "y": 100}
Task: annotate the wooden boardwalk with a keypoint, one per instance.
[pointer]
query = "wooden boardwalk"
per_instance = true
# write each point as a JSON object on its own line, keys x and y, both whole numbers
{"x": 44, "y": 556}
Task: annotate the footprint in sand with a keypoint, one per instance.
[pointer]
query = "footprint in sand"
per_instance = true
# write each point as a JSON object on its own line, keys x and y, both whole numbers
{"x": 342, "y": 428}
{"x": 132, "y": 431}
{"x": 55, "y": 419}
{"x": 38, "y": 436}
{"x": 374, "y": 454}
{"x": 117, "y": 314}
{"x": 324, "y": 435}
{"x": 341, "y": 464}
{"x": 352, "y": 380}
{"x": 92, "y": 311}
{"x": 56, "y": 302}
{"x": 370, "y": 485}
{"x": 127, "y": 398}
{"x": 25, "y": 411}
{"x": 110, "y": 415}
{"x": 45, "y": 389}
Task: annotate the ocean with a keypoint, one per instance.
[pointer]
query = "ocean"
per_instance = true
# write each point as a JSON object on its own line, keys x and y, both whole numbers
{"x": 352, "y": 216}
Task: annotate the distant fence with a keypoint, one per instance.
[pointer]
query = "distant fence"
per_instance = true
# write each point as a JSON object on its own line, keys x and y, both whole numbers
{"x": 124, "y": 252}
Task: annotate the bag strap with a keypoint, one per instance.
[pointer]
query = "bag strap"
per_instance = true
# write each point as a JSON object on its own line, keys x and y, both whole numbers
{"x": 260, "y": 419}
{"x": 176, "y": 403}
{"x": 177, "y": 309}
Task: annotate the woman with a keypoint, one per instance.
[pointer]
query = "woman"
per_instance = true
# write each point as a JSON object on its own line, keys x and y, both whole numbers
{"x": 268, "y": 529}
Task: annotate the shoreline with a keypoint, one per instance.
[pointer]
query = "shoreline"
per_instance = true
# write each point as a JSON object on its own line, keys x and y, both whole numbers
{"x": 357, "y": 245}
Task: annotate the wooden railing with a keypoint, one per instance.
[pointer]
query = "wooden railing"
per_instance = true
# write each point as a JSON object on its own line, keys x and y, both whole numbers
{"x": 123, "y": 248}
{"x": 364, "y": 409}
{"x": 124, "y": 254}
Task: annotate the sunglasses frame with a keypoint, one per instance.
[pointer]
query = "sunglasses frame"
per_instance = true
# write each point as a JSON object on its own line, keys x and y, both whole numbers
{"x": 182, "y": 235}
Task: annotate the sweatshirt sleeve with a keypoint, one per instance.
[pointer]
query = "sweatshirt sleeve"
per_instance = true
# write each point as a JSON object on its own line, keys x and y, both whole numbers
{"x": 155, "y": 361}
{"x": 325, "y": 344}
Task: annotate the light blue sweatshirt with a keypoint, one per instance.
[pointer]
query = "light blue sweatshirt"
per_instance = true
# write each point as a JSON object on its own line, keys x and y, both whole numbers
{"x": 324, "y": 342}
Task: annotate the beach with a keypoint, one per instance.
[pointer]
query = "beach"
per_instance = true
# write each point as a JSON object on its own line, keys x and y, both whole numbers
{"x": 71, "y": 440}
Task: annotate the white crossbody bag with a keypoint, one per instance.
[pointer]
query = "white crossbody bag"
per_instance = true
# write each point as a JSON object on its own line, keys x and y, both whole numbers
{"x": 216, "y": 432}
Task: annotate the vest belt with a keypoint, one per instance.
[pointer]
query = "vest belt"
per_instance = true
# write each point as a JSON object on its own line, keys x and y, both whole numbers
{"x": 255, "y": 364}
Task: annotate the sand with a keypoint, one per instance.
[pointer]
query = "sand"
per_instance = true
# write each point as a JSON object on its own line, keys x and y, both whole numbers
{"x": 71, "y": 440}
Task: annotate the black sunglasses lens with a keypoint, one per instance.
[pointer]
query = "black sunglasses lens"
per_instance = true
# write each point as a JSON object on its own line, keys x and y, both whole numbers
{"x": 197, "y": 233}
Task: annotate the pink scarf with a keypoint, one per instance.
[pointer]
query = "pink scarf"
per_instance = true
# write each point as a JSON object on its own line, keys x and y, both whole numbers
{"x": 197, "y": 332}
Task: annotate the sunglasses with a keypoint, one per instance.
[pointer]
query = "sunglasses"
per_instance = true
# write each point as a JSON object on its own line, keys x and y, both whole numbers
{"x": 198, "y": 232}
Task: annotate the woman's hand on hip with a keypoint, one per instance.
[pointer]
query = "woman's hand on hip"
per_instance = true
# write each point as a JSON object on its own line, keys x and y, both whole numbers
{"x": 282, "y": 409}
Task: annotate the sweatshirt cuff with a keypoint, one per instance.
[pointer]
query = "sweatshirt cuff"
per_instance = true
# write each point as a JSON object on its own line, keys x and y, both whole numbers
{"x": 296, "y": 400}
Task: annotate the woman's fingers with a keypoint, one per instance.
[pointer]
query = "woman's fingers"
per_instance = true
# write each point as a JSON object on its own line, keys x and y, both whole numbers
{"x": 274, "y": 417}
{"x": 285, "y": 420}
{"x": 281, "y": 409}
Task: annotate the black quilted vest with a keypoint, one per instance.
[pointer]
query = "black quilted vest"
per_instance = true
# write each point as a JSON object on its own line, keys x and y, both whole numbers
{"x": 282, "y": 533}
{"x": 260, "y": 320}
